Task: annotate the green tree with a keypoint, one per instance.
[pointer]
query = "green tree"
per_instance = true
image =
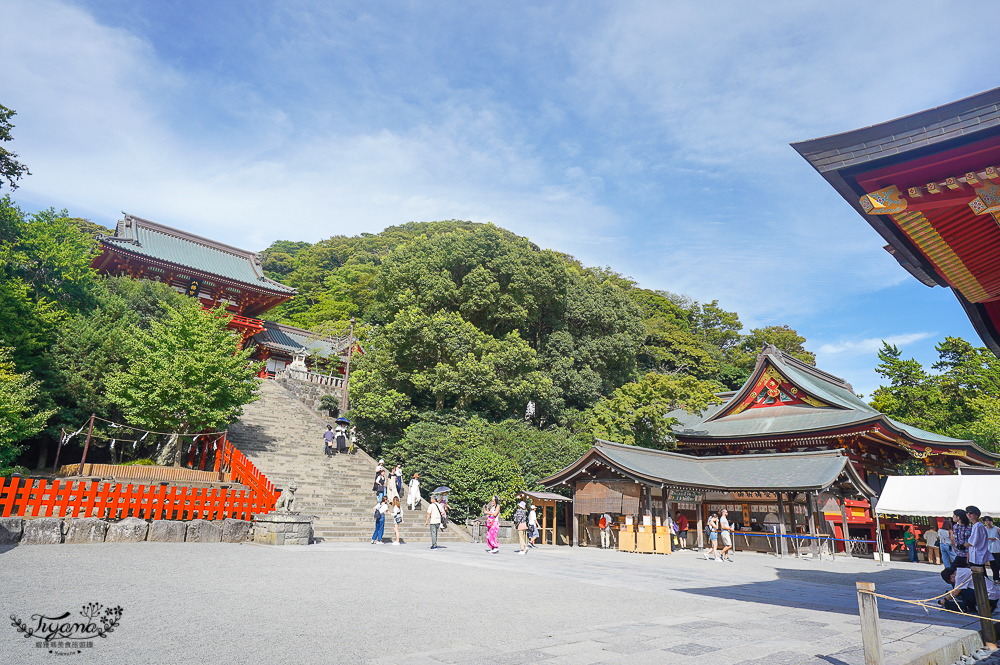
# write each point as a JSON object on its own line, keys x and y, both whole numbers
{"x": 783, "y": 337}
{"x": 11, "y": 170}
{"x": 187, "y": 376}
{"x": 423, "y": 362}
{"x": 912, "y": 396}
{"x": 478, "y": 475}
{"x": 638, "y": 413}
{"x": 20, "y": 416}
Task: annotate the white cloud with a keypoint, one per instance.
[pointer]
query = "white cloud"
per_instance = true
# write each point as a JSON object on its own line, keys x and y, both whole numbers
{"x": 872, "y": 345}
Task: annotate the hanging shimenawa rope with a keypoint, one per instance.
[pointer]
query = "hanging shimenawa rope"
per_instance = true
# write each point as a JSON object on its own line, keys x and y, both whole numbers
{"x": 139, "y": 429}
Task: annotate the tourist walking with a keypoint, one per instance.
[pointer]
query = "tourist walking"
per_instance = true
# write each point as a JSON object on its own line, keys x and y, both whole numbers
{"x": 993, "y": 533}
{"x": 379, "y": 486}
{"x": 682, "y": 529}
{"x": 532, "y": 526}
{"x": 433, "y": 520}
{"x": 910, "y": 540}
{"x": 960, "y": 532}
{"x": 605, "y": 526}
{"x": 521, "y": 524}
{"x": 945, "y": 545}
{"x": 712, "y": 526}
{"x": 397, "y": 478}
{"x": 397, "y": 518}
{"x": 328, "y": 441}
{"x": 413, "y": 496}
{"x": 381, "y": 508}
{"x": 390, "y": 488}
{"x": 341, "y": 436}
{"x": 492, "y": 525}
{"x": 931, "y": 543}
{"x": 726, "y": 533}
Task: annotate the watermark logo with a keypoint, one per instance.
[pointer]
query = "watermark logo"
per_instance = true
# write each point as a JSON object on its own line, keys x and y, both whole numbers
{"x": 66, "y": 634}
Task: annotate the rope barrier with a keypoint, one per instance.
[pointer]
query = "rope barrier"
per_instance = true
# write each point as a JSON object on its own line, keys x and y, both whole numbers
{"x": 924, "y": 604}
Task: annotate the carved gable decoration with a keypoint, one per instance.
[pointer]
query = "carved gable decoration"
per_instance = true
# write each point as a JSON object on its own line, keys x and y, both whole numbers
{"x": 773, "y": 389}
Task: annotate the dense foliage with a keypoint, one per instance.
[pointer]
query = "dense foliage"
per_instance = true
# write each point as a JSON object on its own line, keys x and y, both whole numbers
{"x": 483, "y": 350}
{"x": 960, "y": 398}
{"x": 73, "y": 334}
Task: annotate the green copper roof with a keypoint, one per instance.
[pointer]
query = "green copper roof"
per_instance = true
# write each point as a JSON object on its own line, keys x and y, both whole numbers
{"x": 140, "y": 236}
{"x": 845, "y": 409}
{"x": 289, "y": 339}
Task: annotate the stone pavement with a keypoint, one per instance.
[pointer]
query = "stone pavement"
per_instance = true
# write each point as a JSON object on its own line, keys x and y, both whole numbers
{"x": 361, "y": 603}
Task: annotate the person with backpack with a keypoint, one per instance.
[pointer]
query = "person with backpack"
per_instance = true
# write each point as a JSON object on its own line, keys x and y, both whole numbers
{"x": 605, "y": 526}
{"x": 433, "y": 520}
{"x": 379, "y": 486}
{"x": 493, "y": 525}
{"x": 521, "y": 524}
{"x": 328, "y": 437}
{"x": 381, "y": 508}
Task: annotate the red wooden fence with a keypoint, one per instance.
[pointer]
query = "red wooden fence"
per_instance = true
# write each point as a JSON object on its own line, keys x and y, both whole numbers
{"x": 37, "y": 497}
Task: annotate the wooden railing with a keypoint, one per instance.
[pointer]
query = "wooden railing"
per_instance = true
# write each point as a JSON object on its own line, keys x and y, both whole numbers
{"x": 39, "y": 497}
{"x": 140, "y": 472}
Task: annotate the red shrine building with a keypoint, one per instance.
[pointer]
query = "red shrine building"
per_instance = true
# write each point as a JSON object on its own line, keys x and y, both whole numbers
{"x": 929, "y": 184}
{"x": 216, "y": 274}
{"x": 789, "y": 406}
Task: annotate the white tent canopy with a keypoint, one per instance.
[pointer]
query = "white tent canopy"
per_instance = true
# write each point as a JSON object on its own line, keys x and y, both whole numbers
{"x": 939, "y": 496}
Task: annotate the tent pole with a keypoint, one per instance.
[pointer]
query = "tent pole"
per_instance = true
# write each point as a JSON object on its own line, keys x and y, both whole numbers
{"x": 878, "y": 534}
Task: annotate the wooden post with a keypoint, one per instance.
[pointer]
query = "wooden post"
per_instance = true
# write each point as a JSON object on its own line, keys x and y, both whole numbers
{"x": 983, "y": 605}
{"x": 783, "y": 546}
{"x": 817, "y": 551}
{"x": 576, "y": 521}
{"x": 843, "y": 525}
{"x": 347, "y": 369}
{"x": 701, "y": 525}
{"x": 568, "y": 507}
{"x": 86, "y": 445}
{"x": 871, "y": 632}
{"x": 791, "y": 516}
{"x": 62, "y": 437}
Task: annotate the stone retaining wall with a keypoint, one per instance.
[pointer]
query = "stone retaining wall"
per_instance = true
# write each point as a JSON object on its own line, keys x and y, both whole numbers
{"x": 53, "y": 530}
{"x": 307, "y": 392}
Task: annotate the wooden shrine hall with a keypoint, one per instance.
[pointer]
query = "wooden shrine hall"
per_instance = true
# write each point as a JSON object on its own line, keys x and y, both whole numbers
{"x": 929, "y": 184}
{"x": 625, "y": 481}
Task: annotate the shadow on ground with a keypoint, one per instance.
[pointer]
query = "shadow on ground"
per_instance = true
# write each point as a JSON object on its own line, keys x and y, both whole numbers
{"x": 836, "y": 592}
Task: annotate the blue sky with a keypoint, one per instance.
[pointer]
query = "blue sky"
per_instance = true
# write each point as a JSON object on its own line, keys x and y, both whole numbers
{"x": 651, "y": 137}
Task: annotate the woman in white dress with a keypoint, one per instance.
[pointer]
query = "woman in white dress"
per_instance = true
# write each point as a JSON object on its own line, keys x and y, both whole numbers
{"x": 413, "y": 497}
{"x": 390, "y": 489}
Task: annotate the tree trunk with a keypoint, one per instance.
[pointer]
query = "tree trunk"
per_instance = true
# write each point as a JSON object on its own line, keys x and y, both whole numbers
{"x": 43, "y": 456}
{"x": 168, "y": 454}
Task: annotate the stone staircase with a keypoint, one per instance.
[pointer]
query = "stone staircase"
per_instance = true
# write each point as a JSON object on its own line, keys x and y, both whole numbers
{"x": 284, "y": 439}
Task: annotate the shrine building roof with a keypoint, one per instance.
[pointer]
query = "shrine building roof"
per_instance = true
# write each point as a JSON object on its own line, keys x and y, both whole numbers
{"x": 787, "y": 398}
{"x": 142, "y": 237}
{"x": 929, "y": 184}
{"x": 288, "y": 339}
{"x": 775, "y": 472}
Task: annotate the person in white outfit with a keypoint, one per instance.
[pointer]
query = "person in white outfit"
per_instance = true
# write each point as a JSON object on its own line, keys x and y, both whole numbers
{"x": 390, "y": 489}
{"x": 413, "y": 496}
{"x": 532, "y": 526}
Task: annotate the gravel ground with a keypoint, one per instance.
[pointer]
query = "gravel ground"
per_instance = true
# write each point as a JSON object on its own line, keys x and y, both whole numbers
{"x": 226, "y": 603}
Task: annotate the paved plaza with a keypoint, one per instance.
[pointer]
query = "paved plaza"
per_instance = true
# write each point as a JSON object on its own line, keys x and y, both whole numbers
{"x": 348, "y": 603}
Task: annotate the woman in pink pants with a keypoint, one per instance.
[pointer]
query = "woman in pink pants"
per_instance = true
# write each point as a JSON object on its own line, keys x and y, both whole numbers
{"x": 493, "y": 525}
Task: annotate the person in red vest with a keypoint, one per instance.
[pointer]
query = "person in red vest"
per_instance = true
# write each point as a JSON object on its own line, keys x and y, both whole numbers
{"x": 682, "y": 529}
{"x": 605, "y": 525}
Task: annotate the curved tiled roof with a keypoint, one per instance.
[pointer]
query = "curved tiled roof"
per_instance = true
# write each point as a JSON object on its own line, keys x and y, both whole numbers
{"x": 775, "y": 472}
{"x": 155, "y": 241}
{"x": 289, "y": 339}
{"x": 845, "y": 410}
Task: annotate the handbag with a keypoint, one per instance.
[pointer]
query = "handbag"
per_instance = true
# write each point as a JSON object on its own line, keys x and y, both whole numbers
{"x": 444, "y": 519}
{"x": 398, "y": 518}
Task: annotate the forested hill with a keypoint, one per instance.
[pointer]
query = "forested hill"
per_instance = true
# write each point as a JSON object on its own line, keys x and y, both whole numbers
{"x": 471, "y": 318}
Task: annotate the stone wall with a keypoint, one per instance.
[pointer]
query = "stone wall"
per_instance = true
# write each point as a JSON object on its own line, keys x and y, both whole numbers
{"x": 307, "y": 392}
{"x": 54, "y": 530}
